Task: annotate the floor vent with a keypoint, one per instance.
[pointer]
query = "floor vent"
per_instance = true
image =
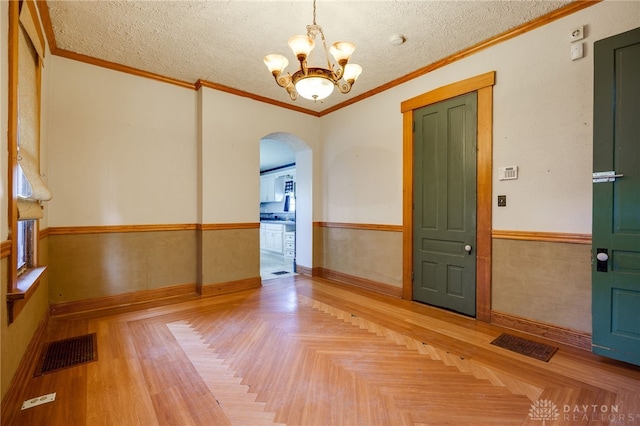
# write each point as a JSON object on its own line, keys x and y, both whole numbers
{"x": 67, "y": 353}
{"x": 280, "y": 273}
{"x": 526, "y": 347}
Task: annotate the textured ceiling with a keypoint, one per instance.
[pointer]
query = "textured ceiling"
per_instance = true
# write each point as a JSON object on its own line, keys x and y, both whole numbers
{"x": 224, "y": 42}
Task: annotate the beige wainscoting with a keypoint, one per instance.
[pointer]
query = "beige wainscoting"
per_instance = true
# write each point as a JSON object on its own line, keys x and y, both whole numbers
{"x": 364, "y": 255}
{"x": 96, "y": 263}
{"x": 544, "y": 281}
{"x": 230, "y": 258}
{"x": 21, "y": 334}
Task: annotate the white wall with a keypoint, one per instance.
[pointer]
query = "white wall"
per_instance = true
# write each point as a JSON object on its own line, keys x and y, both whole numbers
{"x": 305, "y": 189}
{"x": 543, "y": 105}
{"x": 232, "y": 129}
{"x": 122, "y": 149}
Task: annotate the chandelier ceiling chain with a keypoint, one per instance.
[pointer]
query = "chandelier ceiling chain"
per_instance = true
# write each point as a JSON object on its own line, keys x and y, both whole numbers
{"x": 314, "y": 83}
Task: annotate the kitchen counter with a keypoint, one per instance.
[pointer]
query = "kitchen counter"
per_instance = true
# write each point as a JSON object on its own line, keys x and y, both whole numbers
{"x": 279, "y": 222}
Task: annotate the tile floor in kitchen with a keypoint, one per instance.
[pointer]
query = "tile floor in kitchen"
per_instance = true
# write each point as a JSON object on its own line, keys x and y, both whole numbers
{"x": 273, "y": 265}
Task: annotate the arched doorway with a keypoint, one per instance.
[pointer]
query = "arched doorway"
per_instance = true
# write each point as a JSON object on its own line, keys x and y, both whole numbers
{"x": 286, "y": 170}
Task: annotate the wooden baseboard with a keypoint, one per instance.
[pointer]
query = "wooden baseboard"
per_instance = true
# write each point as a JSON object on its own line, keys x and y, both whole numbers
{"x": 24, "y": 371}
{"x": 207, "y": 290}
{"x": 358, "y": 282}
{"x": 567, "y": 336}
{"x": 303, "y": 270}
{"x": 125, "y": 299}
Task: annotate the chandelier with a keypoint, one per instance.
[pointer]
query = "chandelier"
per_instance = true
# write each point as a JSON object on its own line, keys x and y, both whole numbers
{"x": 315, "y": 83}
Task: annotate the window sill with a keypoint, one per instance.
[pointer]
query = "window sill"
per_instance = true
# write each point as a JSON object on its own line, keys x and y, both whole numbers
{"x": 26, "y": 287}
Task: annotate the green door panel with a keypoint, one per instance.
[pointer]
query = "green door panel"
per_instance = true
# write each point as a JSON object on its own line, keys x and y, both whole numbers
{"x": 445, "y": 204}
{"x": 616, "y": 205}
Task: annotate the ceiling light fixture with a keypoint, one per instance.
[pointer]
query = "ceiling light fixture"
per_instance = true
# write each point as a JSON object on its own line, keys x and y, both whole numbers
{"x": 314, "y": 83}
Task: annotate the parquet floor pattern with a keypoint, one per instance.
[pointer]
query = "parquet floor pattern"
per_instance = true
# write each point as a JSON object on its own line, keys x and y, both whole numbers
{"x": 303, "y": 351}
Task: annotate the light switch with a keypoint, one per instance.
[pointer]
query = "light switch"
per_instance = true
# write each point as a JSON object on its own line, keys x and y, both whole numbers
{"x": 577, "y": 51}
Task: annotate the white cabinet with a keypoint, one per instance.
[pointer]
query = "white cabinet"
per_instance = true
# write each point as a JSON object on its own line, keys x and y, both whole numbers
{"x": 271, "y": 237}
{"x": 271, "y": 189}
{"x": 290, "y": 244}
{"x": 266, "y": 189}
{"x": 278, "y": 238}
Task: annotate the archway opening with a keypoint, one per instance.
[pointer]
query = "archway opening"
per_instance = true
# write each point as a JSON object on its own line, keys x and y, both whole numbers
{"x": 285, "y": 205}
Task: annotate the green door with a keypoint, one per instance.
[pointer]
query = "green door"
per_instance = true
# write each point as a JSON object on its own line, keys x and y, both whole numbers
{"x": 444, "y": 216}
{"x": 616, "y": 200}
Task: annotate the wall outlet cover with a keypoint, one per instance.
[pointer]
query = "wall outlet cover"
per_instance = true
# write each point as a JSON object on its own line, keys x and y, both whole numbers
{"x": 29, "y": 403}
{"x": 577, "y": 33}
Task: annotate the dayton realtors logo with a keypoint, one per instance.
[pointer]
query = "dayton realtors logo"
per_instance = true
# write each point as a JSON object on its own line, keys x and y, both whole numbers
{"x": 546, "y": 410}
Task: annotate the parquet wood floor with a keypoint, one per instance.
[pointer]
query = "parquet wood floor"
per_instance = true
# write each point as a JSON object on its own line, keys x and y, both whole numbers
{"x": 302, "y": 351}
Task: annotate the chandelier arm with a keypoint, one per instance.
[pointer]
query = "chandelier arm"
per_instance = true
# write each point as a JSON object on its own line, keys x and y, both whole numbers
{"x": 291, "y": 90}
{"x": 344, "y": 87}
{"x": 326, "y": 51}
{"x": 283, "y": 80}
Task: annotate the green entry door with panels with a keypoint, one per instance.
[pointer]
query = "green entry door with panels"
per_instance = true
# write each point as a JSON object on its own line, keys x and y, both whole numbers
{"x": 616, "y": 198}
{"x": 444, "y": 215}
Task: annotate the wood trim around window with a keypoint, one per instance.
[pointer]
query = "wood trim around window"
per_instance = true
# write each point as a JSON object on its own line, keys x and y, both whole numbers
{"x": 483, "y": 85}
{"x": 12, "y": 142}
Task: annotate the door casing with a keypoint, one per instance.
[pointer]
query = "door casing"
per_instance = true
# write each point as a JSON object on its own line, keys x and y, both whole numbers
{"x": 483, "y": 85}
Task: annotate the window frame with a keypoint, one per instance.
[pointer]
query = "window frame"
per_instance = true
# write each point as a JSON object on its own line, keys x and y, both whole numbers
{"x": 21, "y": 281}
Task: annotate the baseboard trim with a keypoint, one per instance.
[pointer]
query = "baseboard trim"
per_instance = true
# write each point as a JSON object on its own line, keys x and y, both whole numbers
{"x": 125, "y": 299}
{"x": 375, "y": 286}
{"x": 567, "y": 336}
{"x": 24, "y": 371}
{"x": 208, "y": 290}
{"x": 303, "y": 270}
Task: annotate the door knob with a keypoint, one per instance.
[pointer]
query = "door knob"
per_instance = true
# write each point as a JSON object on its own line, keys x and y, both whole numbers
{"x": 468, "y": 248}
{"x": 602, "y": 256}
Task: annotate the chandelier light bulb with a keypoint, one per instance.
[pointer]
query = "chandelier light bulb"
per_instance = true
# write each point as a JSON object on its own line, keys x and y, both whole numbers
{"x": 276, "y": 63}
{"x": 352, "y": 72}
{"x": 301, "y": 45}
{"x": 342, "y": 51}
{"x": 314, "y": 88}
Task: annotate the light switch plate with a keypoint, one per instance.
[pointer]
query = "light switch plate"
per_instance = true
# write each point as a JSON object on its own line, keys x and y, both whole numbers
{"x": 29, "y": 403}
{"x": 577, "y": 51}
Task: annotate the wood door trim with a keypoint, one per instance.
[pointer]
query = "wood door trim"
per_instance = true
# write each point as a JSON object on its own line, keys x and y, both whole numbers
{"x": 483, "y": 84}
